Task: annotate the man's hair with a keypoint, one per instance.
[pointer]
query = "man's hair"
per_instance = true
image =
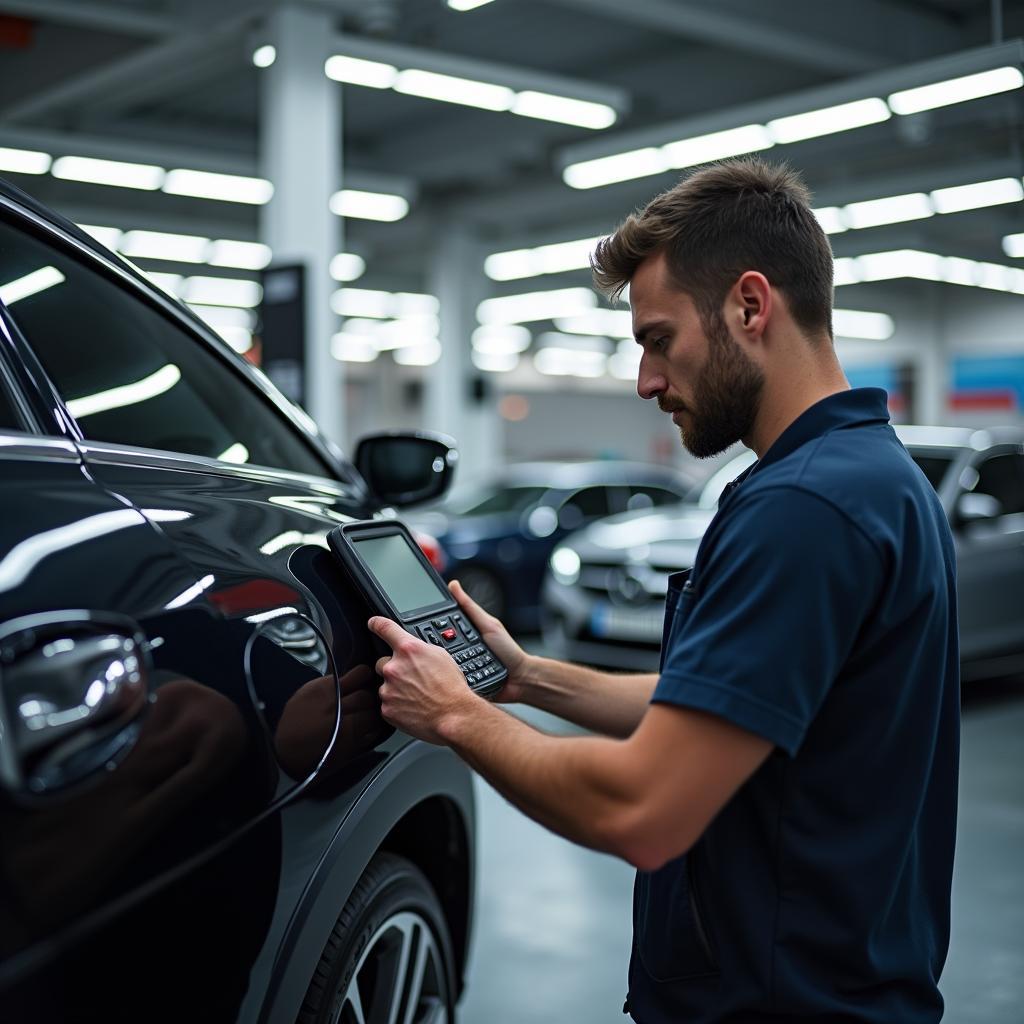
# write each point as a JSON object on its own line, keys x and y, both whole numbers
{"x": 720, "y": 222}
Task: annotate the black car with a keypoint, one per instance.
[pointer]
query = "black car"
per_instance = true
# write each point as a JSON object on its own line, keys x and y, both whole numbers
{"x": 203, "y": 816}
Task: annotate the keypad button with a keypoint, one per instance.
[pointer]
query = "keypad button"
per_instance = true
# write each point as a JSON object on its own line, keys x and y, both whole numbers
{"x": 441, "y": 623}
{"x": 449, "y": 635}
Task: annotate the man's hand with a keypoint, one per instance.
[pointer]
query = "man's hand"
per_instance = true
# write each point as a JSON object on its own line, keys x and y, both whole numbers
{"x": 422, "y": 684}
{"x": 498, "y": 639}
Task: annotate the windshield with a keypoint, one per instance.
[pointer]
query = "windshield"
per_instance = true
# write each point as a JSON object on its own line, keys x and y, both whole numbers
{"x": 494, "y": 500}
{"x": 934, "y": 465}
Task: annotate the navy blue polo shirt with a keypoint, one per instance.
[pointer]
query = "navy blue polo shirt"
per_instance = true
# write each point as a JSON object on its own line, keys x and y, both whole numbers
{"x": 820, "y": 614}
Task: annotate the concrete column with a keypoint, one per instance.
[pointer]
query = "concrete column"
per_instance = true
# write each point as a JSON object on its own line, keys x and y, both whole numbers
{"x": 933, "y": 367}
{"x": 450, "y": 404}
{"x": 300, "y": 152}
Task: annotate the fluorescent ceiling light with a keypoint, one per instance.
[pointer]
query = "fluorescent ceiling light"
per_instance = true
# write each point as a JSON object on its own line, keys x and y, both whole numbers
{"x": 368, "y": 302}
{"x": 501, "y": 339}
{"x": 24, "y": 161}
{"x": 225, "y": 252}
{"x": 30, "y": 284}
{"x": 624, "y": 363}
{"x": 495, "y": 362}
{"x": 109, "y": 172}
{"x": 421, "y": 353}
{"x": 569, "y": 362}
{"x": 127, "y": 394}
{"x": 450, "y": 89}
{"x": 976, "y": 196}
{"x": 109, "y": 237}
{"x": 855, "y": 323}
{"x": 606, "y": 170}
{"x": 264, "y": 56}
{"x": 236, "y": 453}
{"x": 513, "y": 309}
{"x": 362, "y": 302}
{"x": 956, "y": 90}
{"x": 544, "y": 259}
{"x": 885, "y": 266}
{"x": 547, "y": 107}
{"x": 222, "y": 291}
{"x": 170, "y": 283}
{"x": 956, "y": 270}
{"x": 574, "y": 342}
{"x": 347, "y": 266}
{"x": 355, "y": 71}
{"x": 230, "y": 188}
{"x": 829, "y": 120}
{"x": 831, "y": 219}
{"x": 368, "y": 205}
{"x": 844, "y": 271}
{"x": 614, "y": 323}
{"x": 226, "y": 316}
{"x": 1013, "y": 245}
{"x": 892, "y": 210}
{"x": 718, "y": 145}
{"x": 466, "y": 5}
{"x": 160, "y": 245}
{"x": 353, "y": 348}
{"x": 401, "y": 333}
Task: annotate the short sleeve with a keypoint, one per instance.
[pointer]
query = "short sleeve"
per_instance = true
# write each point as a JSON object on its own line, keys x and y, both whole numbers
{"x": 773, "y": 613}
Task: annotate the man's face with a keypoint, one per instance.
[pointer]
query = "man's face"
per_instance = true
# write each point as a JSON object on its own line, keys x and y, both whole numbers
{"x": 695, "y": 369}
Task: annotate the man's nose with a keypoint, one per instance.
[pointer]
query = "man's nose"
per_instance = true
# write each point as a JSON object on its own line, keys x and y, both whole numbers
{"x": 648, "y": 383}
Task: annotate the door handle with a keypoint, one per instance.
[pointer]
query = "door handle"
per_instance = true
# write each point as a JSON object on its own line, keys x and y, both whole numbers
{"x": 73, "y": 688}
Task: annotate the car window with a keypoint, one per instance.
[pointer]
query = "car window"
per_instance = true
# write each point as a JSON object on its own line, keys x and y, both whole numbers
{"x": 129, "y": 374}
{"x": 934, "y": 467}
{"x": 1002, "y": 476}
{"x": 499, "y": 501}
{"x": 587, "y": 503}
{"x": 650, "y": 497}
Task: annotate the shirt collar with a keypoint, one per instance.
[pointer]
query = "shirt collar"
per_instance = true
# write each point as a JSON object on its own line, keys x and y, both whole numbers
{"x": 843, "y": 409}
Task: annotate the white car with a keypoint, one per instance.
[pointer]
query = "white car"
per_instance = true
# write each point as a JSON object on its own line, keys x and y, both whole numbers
{"x": 604, "y": 594}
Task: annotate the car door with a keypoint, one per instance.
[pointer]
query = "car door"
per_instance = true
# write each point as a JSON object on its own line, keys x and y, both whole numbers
{"x": 990, "y": 559}
{"x": 261, "y": 666}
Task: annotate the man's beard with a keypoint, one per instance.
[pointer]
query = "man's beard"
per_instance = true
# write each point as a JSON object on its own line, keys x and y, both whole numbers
{"x": 728, "y": 395}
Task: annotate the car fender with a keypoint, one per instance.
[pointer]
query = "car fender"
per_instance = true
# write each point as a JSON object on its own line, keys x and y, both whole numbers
{"x": 418, "y": 772}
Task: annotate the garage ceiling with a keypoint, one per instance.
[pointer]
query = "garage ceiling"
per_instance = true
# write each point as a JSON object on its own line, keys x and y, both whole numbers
{"x": 156, "y": 79}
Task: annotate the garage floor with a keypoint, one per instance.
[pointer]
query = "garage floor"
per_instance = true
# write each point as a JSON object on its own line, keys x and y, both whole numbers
{"x": 553, "y": 920}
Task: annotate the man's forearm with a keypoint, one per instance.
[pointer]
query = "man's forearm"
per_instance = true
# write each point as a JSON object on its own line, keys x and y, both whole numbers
{"x": 602, "y": 702}
{"x": 570, "y": 785}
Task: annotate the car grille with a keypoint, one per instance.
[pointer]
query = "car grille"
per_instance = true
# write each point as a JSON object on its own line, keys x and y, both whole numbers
{"x": 624, "y": 583}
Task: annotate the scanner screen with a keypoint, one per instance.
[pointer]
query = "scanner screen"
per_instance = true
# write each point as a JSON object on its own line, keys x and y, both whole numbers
{"x": 400, "y": 573}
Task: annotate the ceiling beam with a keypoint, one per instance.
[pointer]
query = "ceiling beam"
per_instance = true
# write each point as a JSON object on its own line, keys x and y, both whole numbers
{"x": 880, "y": 83}
{"x": 834, "y": 38}
{"x": 105, "y": 17}
{"x": 143, "y": 74}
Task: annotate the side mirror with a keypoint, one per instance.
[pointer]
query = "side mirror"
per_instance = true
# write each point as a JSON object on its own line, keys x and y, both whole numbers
{"x": 404, "y": 469}
{"x": 970, "y": 508}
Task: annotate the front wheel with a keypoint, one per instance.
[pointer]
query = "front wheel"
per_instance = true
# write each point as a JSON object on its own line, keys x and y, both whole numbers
{"x": 389, "y": 956}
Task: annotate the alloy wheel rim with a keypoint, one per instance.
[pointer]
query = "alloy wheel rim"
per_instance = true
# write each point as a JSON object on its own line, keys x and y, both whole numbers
{"x": 400, "y": 977}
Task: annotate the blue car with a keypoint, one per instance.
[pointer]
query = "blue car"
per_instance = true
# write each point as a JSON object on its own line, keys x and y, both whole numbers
{"x": 496, "y": 537}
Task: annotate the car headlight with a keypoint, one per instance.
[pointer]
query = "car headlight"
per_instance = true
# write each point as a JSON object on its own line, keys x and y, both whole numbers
{"x": 565, "y": 566}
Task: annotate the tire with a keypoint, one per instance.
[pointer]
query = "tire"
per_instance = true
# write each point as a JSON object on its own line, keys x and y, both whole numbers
{"x": 484, "y": 587}
{"x": 390, "y": 944}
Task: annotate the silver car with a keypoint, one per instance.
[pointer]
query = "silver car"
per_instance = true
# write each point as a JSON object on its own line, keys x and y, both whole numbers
{"x": 604, "y": 594}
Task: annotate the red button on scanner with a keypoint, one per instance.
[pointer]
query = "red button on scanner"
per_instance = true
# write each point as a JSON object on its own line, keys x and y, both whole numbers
{"x": 449, "y": 634}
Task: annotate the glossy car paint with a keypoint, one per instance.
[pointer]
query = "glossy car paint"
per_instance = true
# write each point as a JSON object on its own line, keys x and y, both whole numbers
{"x": 198, "y": 874}
{"x": 611, "y": 615}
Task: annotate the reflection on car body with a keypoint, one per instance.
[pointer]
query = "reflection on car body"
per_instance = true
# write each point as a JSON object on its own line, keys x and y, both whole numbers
{"x": 605, "y": 591}
{"x": 194, "y": 774}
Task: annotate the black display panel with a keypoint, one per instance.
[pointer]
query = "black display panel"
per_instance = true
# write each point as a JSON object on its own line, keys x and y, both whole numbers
{"x": 399, "y": 572}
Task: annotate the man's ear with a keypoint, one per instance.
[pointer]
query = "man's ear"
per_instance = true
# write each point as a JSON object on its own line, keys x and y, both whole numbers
{"x": 752, "y": 300}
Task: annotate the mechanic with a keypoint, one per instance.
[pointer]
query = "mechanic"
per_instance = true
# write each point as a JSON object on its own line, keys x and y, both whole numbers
{"x": 786, "y": 785}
